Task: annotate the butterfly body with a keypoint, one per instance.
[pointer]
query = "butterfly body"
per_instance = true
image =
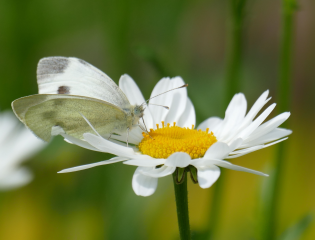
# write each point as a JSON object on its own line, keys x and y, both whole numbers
{"x": 70, "y": 88}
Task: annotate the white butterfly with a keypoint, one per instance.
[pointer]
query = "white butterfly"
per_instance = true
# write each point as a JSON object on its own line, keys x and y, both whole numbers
{"x": 70, "y": 88}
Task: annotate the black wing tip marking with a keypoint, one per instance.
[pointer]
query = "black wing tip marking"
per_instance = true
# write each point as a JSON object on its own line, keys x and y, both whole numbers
{"x": 83, "y": 62}
{"x": 55, "y": 65}
{"x": 51, "y": 65}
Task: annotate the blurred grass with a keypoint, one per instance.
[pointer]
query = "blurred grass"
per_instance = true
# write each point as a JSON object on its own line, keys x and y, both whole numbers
{"x": 233, "y": 73}
{"x": 272, "y": 200}
{"x": 188, "y": 39}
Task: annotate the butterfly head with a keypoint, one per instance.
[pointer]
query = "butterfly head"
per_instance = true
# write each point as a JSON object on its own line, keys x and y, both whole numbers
{"x": 138, "y": 111}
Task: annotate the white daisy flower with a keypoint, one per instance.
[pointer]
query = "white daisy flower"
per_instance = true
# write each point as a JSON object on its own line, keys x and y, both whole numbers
{"x": 17, "y": 144}
{"x": 173, "y": 143}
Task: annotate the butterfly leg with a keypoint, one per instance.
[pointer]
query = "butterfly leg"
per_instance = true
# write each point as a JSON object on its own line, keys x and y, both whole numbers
{"x": 145, "y": 130}
{"x": 145, "y": 125}
{"x": 109, "y": 136}
{"x": 139, "y": 125}
{"x": 127, "y": 135}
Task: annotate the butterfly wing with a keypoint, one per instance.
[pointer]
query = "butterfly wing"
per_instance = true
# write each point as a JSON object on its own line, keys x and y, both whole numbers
{"x": 62, "y": 75}
{"x": 40, "y": 113}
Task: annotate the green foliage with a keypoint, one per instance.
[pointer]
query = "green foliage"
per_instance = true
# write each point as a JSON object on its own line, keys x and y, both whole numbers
{"x": 297, "y": 230}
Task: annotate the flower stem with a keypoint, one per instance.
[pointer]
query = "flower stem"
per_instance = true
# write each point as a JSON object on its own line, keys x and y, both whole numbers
{"x": 274, "y": 192}
{"x": 232, "y": 81}
{"x": 181, "y": 197}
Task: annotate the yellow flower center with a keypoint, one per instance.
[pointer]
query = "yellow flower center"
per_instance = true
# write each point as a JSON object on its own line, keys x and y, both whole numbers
{"x": 163, "y": 142}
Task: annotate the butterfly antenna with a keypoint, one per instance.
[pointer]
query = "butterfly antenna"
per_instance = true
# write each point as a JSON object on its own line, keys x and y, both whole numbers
{"x": 166, "y": 107}
{"x": 185, "y": 85}
{"x": 88, "y": 122}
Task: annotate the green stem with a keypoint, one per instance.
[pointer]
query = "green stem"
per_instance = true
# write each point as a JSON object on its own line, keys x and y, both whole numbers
{"x": 232, "y": 80}
{"x": 235, "y": 49}
{"x": 215, "y": 210}
{"x": 181, "y": 197}
{"x": 288, "y": 9}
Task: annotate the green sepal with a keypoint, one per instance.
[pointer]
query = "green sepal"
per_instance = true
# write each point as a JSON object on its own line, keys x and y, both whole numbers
{"x": 180, "y": 176}
{"x": 193, "y": 174}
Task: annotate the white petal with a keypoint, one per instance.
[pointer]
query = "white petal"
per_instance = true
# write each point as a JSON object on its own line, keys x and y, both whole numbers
{"x": 269, "y": 126}
{"x": 79, "y": 142}
{"x": 244, "y": 151}
{"x": 275, "y": 142}
{"x": 208, "y": 176}
{"x": 16, "y": 178}
{"x": 123, "y": 137}
{"x": 131, "y": 90}
{"x": 135, "y": 97}
{"x": 261, "y": 101}
{"x": 254, "y": 125}
{"x": 148, "y": 118}
{"x": 157, "y": 172}
{"x": 57, "y": 130}
{"x": 87, "y": 166}
{"x": 226, "y": 164}
{"x": 178, "y": 104}
{"x": 212, "y": 123}
{"x": 150, "y": 162}
{"x": 199, "y": 162}
{"x": 234, "y": 115}
{"x": 217, "y": 151}
{"x": 19, "y": 146}
{"x": 252, "y": 149}
{"x": 8, "y": 122}
{"x": 108, "y": 146}
{"x": 116, "y": 141}
{"x": 178, "y": 159}
{"x": 176, "y": 100}
{"x": 188, "y": 118}
{"x": 237, "y": 104}
{"x": 236, "y": 144}
{"x": 269, "y": 137}
{"x": 135, "y": 133}
{"x": 159, "y": 113}
{"x": 242, "y": 154}
{"x": 143, "y": 185}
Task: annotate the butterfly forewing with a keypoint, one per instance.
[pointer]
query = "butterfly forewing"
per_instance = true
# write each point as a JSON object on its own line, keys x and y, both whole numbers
{"x": 73, "y": 76}
{"x": 42, "y": 112}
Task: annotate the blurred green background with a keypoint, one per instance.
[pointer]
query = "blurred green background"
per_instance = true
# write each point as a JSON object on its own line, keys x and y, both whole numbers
{"x": 149, "y": 40}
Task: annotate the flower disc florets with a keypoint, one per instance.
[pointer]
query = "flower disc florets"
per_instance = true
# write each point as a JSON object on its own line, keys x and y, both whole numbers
{"x": 163, "y": 142}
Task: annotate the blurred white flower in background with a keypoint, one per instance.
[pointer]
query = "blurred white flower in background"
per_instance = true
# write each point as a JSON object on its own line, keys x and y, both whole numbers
{"x": 17, "y": 144}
